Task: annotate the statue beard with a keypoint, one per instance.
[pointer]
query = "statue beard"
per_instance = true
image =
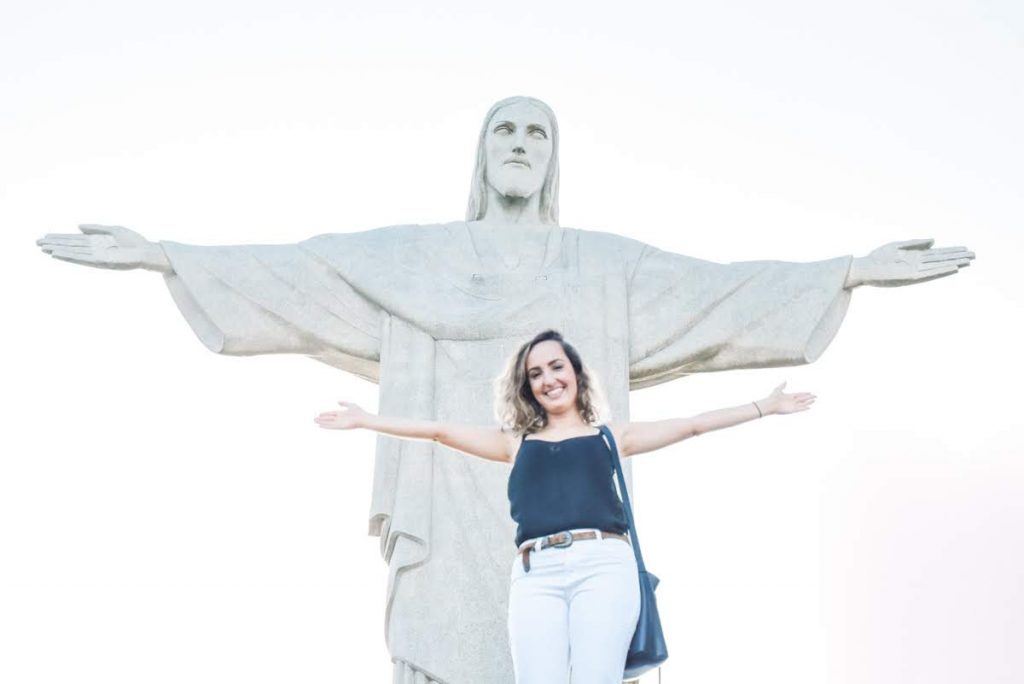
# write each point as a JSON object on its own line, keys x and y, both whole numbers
{"x": 516, "y": 191}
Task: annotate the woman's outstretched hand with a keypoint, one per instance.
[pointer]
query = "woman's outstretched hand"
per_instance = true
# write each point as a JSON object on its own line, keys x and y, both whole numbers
{"x": 350, "y": 416}
{"x": 780, "y": 402}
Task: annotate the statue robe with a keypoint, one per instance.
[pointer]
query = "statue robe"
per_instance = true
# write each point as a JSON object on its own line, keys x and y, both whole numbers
{"x": 420, "y": 311}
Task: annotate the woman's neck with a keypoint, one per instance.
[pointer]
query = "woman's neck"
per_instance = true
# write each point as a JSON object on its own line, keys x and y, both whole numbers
{"x": 568, "y": 421}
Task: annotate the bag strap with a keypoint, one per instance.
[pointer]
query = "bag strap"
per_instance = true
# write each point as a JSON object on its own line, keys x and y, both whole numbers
{"x": 617, "y": 465}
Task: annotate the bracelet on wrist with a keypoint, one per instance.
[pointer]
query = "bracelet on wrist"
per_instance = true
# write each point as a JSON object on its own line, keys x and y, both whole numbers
{"x": 760, "y": 413}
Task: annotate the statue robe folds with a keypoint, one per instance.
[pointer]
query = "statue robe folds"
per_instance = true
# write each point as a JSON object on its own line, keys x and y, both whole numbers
{"x": 420, "y": 310}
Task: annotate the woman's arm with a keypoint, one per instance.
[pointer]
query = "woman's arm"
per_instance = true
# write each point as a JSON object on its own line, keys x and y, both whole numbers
{"x": 636, "y": 438}
{"x": 491, "y": 444}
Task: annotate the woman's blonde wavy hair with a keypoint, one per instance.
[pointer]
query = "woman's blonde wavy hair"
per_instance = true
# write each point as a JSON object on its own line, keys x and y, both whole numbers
{"x": 519, "y": 411}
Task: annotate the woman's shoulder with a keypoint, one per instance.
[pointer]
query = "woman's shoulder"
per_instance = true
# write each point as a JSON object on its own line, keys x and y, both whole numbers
{"x": 513, "y": 444}
{"x": 618, "y": 430}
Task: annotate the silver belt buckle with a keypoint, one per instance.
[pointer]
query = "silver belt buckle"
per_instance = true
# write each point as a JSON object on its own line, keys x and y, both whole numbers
{"x": 563, "y": 544}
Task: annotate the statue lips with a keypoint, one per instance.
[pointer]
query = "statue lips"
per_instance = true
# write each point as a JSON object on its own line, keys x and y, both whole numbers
{"x": 518, "y": 162}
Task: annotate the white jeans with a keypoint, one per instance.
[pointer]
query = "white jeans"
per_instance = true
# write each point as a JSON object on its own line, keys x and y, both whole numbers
{"x": 575, "y": 609}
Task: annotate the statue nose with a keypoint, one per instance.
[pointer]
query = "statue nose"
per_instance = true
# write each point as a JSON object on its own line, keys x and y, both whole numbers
{"x": 519, "y": 149}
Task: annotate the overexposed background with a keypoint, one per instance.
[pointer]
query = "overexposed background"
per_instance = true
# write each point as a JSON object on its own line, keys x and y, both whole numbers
{"x": 170, "y": 515}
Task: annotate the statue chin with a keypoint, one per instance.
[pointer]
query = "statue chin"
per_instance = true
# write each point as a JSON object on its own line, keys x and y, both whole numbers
{"x": 515, "y": 191}
{"x": 514, "y": 184}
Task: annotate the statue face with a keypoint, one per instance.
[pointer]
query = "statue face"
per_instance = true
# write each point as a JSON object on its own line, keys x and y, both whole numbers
{"x": 518, "y": 147}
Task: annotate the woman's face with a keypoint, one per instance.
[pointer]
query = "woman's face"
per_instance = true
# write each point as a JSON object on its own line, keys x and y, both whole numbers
{"x": 551, "y": 376}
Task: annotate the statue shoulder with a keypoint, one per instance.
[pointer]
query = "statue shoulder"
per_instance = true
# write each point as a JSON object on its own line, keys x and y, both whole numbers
{"x": 603, "y": 240}
{"x": 388, "y": 242}
{"x": 389, "y": 232}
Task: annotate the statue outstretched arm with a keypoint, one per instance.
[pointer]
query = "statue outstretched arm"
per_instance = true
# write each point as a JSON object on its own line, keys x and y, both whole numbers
{"x": 687, "y": 315}
{"x": 114, "y": 247}
{"x": 274, "y": 299}
{"x": 907, "y": 263}
{"x": 246, "y": 299}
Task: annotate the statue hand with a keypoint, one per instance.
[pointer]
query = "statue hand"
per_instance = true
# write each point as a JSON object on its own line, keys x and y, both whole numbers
{"x": 350, "y": 417}
{"x": 781, "y": 403}
{"x": 906, "y": 263}
{"x": 106, "y": 247}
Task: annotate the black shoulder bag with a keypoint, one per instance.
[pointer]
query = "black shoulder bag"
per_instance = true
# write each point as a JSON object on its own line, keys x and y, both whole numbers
{"x": 647, "y": 650}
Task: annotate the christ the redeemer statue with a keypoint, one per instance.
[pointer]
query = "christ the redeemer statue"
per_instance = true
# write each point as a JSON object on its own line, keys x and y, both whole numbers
{"x": 431, "y": 312}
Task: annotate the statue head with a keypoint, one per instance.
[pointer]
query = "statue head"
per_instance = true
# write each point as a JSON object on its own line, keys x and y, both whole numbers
{"x": 517, "y": 156}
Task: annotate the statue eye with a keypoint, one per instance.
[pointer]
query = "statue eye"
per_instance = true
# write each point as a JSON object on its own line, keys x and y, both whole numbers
{"x": 503, "y": 128}
{"x": 538, "y": 132}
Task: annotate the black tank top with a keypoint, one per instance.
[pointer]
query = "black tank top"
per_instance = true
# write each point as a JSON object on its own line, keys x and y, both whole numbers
{"x": 556, "y": 486}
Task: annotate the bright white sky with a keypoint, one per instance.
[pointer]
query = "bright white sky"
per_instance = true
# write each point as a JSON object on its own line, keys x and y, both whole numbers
{"x": 170, "y": 515}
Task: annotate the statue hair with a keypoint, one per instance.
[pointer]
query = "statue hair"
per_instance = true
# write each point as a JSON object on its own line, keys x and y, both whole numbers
{"x": 518, "y": 411}
{"x": 548, "y": 192}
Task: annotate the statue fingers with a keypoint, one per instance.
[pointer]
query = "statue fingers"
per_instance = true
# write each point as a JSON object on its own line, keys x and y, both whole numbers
{"x": 931, "y": 266}
{"x": 76, "y": 249}
{"x": 946, "y": 250}
{"x": 953, "y": 254}
{"x": 50, "y": 246}
{"x": 97, "y": 229}
{"x": 89, "y": 257}
{"x": 924, "y": 275}
{"x": 923, "y": 243}
{"x": 92, "y": 242}
{"x": 62, "y": 239}
{"x": 74, "y": 257}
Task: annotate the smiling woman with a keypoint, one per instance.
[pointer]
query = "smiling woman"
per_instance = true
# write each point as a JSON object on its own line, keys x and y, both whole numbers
{"x": 573, "y": 607}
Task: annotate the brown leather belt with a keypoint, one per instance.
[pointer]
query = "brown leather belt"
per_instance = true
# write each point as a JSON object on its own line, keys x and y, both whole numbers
{"x": 561, "y": 540}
